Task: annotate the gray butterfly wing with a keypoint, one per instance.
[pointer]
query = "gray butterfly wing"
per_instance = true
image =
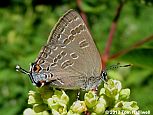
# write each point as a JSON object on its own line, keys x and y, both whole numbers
{"x": 70, "y": 58}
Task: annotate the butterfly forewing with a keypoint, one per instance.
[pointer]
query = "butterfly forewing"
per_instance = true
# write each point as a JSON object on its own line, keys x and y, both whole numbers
{"x": 70, "y": 58}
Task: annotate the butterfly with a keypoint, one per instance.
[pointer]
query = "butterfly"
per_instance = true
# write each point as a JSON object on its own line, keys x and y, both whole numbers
{"x": 69, "y": 59}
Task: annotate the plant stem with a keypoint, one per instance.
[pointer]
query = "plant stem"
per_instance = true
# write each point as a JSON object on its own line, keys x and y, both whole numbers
{"x": 111, "y": 34}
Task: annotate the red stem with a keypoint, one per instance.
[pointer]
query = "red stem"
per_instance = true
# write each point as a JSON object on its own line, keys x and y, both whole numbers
{"x": 111, "y": 34}
{"x": 139, "y": 43}
{"x": 79, "y": 3}
{"x": 82, "y": 13}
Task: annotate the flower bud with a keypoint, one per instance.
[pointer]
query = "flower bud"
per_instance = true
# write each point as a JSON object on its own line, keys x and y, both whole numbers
{"x": 28, "y": 111}
{"x": 93, "y": 113}
{"x": 101, "y": 106}
{"x": 124, "y": 94}
{"x": 57, "y": 106}
{"x": 90, "y": 99}
{"x": 112, "y": 87}
{"x": 127, "y": 105}
{"x": 78, "y": 107}
{"x": 70, "y": 112}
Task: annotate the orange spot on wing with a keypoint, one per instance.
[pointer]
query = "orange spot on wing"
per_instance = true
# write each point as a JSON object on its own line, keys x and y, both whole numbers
{"x": 37, "y": 68}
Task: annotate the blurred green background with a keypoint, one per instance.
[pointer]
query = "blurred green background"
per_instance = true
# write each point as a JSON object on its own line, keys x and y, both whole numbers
{"x": 26, "y": 24}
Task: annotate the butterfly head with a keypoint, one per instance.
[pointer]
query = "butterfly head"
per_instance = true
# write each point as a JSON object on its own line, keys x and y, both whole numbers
{"x": 35, "y": 74}
{"x": 104, "y": 76}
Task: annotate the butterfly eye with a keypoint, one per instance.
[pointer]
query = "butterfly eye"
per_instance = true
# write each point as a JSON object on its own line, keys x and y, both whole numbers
{"x": 36, "y": 68}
